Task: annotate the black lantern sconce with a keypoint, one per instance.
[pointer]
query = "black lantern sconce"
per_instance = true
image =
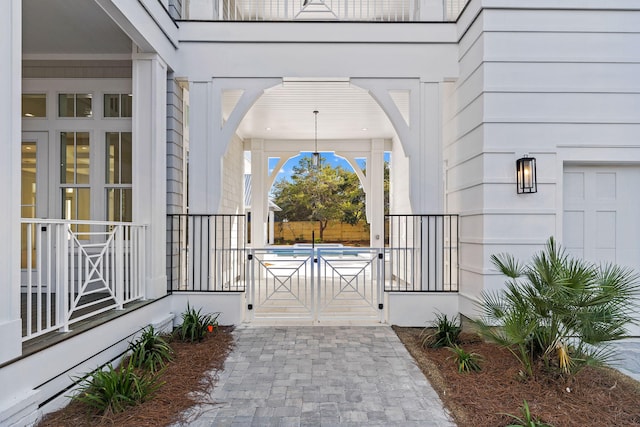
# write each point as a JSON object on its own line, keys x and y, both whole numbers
{"x": 526, "y": 178}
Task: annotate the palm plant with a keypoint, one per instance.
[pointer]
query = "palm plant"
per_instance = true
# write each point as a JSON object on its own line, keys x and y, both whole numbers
{"x": 558, "y": 309}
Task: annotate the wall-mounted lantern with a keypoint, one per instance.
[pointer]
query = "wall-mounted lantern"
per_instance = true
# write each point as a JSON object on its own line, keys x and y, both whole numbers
{"x": 526, "y": 178}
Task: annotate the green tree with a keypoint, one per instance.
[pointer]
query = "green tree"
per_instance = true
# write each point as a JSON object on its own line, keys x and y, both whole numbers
{"x": 320, "y": 194}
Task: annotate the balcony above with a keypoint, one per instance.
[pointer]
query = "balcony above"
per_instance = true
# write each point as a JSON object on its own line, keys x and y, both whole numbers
{"x": 326, "y": 10}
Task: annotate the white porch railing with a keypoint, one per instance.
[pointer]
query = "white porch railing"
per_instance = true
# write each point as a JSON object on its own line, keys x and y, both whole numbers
{"x": 73, "y": 270}
{"x": 326, "y": 10}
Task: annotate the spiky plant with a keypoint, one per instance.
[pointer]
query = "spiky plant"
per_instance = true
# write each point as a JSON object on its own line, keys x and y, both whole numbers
{"x": 466, "y": 362}
{"x": 113, "y": 390}
{"x": 558, "y": 309}
{"x": 443, "y": 332}
{"x": 196, "y": 324}
{"x": 150, "y": 351}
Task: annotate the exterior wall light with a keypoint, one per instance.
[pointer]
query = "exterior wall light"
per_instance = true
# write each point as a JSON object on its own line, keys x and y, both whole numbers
{"x": 526, "y": 178}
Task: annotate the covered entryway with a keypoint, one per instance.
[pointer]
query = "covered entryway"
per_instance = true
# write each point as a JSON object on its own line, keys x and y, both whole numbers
{"x": 601, "y": 214}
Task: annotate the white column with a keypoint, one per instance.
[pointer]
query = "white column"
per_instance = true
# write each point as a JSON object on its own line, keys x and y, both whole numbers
{"x": 272, "y": 228}
{"x": 150, "y": 164}
{"x": 201, "y": 170}
{"x": 375, "y": 196}
{"x": 10, "y": 141}
{"x": 258, "y": 193}
{"x": 425, "y": 155}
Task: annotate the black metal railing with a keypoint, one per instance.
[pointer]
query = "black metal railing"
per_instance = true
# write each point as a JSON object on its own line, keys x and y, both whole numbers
{"x": 421, "y": 253}
{"x": 206, "y": 253}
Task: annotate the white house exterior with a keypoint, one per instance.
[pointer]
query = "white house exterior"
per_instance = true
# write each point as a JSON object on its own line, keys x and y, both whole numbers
{"x": 112, "y": 106}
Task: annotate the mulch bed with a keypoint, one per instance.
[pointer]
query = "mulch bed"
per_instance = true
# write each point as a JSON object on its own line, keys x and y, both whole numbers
{"x": 186, "y": 384}
{"x": 602, "y": 397}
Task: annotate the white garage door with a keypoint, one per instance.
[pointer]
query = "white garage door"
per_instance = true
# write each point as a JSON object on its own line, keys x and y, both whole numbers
{"x": 602, "y": 214}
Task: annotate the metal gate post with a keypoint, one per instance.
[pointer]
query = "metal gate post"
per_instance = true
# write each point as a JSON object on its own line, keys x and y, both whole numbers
{"x": 380, "y": 284}
{"x": 251, "y": 294}
{"x": 315, "y": 302}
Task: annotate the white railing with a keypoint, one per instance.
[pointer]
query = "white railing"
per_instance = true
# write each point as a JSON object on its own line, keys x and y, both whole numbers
{"x": 73, "y": 270}
{"x": 326, "y": 10}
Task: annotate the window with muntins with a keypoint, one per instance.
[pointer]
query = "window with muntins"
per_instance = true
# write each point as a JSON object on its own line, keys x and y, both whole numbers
{"x": 118, "y": 176}
{"x": 118, "y": 105}
{"x": 75, "y": 168}
{"x": 75, "y": 105}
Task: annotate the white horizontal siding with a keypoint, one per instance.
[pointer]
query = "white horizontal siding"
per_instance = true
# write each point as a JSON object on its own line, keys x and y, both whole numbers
{"x": 563, "y": 77}
{"x": 559, "y": 84}
{"x": 562, "y": 107}
{"x": 562, "y": 47}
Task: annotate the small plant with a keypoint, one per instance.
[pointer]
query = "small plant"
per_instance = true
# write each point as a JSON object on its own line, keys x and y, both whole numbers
{"x": 195, "y": 325}
{"x": 113, "y": 390}
{"x": 447, "y": 332}
{"x": 527, "y": 420}
{"x": 467, "y": 362}
{"x": 150, "y": 351}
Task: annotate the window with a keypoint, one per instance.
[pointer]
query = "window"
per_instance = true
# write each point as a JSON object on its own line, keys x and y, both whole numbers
{"x": 118, "y": 176}
{"x": 75, "y": 105}
{"x": 74, "y": 176}
{"x": 34, "y": 105}
{"x": 118, "y": 105}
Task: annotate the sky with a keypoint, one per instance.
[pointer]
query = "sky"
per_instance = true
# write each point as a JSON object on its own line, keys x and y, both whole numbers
{"x": 330, "y": 158}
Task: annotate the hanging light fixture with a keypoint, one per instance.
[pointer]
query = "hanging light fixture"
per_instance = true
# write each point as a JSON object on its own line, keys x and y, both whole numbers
{"x": 315, "y": 160}
{"x": 526, "y": 179}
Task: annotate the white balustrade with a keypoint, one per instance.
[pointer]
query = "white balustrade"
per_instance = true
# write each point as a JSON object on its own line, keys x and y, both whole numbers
{"x": 326, "y": 10}
{"x": 73, "y": 270}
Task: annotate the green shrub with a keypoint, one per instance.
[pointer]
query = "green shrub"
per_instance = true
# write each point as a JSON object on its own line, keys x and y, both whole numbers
{"x": 114, "y": 390}
{"x": 195, "y": 325}
{"x": 150, "y": 351}
{"x": 558, "y": 310}
{"x": 527, "y": 420}
{"x": 446, "y": 334}
{"x": 467, "y": 362}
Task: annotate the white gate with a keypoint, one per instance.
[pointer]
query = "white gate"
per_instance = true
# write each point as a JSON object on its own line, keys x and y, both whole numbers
{"x": 315, "y": 284}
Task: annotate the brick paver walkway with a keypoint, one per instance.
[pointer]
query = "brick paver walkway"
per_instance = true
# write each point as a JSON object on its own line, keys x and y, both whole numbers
{"x": 320, "y": 376}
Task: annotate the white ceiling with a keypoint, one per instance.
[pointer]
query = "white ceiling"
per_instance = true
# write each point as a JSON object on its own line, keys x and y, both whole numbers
{"x": 283, "y": 112}
{"x": 71, "y": 27}
{"x": 286, "y": 112}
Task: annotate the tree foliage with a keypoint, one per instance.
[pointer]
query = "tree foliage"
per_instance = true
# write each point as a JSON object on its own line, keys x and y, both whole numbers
{"x": 321, "y": 194}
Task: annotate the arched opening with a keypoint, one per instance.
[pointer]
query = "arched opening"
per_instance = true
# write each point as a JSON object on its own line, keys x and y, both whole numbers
{"x": 321, "y": 204}
{"x": 351, "y": 125}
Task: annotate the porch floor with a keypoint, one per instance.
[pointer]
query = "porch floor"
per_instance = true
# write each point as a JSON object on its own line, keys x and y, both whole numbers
{"x": 44, "y": 341}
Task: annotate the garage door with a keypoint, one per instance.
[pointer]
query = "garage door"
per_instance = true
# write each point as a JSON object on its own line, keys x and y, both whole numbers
{"x": 602, "y": 214}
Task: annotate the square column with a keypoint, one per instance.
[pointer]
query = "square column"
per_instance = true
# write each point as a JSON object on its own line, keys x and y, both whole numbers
{"x": 375, "y": 196}
{"x": 10, "y": 141}
{"x": 203, "y": 168}
{"x": 150, "y": 164}
{"x": 259, "y": 198}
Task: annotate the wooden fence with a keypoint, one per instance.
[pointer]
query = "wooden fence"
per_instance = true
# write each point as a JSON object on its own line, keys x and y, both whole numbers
{"x": 301, "y": 231}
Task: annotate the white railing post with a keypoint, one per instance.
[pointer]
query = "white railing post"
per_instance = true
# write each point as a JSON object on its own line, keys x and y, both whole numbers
{"x": 29, "y": 280}
{"x": 119, "y": 264}
{"x": 62, "y": 264}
